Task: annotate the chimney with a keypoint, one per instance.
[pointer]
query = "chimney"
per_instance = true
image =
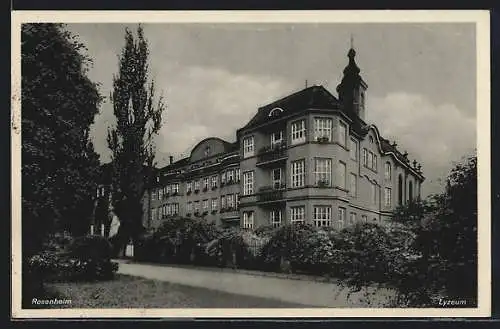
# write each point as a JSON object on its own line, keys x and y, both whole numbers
{"x": 171, "y": 159}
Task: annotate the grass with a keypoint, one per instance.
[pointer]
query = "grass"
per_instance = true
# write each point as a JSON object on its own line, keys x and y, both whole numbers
{"x": 134, "y": 292}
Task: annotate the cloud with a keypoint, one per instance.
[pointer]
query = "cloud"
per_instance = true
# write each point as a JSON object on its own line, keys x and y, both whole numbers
{"x": 433, "y": 134}
{"x": 201, "y": 102}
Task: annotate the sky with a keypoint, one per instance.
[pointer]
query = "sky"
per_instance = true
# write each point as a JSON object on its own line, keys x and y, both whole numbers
{"x": 421, "y": 80}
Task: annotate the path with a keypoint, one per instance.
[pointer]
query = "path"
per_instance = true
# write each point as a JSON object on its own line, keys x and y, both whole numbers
{"x": 315, "y": 294}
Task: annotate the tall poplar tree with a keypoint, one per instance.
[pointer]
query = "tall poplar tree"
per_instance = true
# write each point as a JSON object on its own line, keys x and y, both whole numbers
{"x": 138, "y": 115}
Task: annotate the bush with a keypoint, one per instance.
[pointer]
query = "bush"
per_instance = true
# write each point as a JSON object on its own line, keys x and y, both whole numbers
{"x": 236, "y": 248}
{"x": 85, "y": 259}
{"x": 288, "y": 247}
{"x": 362, "y": 254}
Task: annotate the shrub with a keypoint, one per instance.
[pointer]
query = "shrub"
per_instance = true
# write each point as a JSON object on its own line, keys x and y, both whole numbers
{"x": 362, "y": 254}
{"x": 288, "y": 245}
{"x": 86, "y": 258}
{"x": 89, "y": 247}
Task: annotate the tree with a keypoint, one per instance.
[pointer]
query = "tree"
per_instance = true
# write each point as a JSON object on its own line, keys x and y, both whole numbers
{"x": 445, "y": 228}
{"x": 59, "y": 103}
{"x": 139, "y": 118}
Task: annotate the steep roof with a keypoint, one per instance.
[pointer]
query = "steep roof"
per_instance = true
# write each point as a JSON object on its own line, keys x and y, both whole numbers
{"x": 314, "y": 97}
{"x": 311, "y": 97}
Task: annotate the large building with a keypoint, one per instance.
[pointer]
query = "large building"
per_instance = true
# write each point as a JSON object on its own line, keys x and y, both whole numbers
{"x": 308, "y": 157}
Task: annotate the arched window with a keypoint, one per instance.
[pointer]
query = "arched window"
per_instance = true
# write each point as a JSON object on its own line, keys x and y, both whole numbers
{"x": 410, "y": 191}
{"x": 400, "y": 190}
{"x": 276, "y": 111}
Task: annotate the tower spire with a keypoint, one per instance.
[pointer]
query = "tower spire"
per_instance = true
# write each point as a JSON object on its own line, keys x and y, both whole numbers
{"x": 352, "y": 88}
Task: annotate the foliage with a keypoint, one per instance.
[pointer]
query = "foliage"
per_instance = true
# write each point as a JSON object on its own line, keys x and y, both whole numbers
{"x": 176, "y": 239}
{"x": 139, "y": 118}
{"x": 59, "y": 104}
{"x": 289, "y": 244}
{"x": 86, "y": 258}
{"x": 430, "y": 251}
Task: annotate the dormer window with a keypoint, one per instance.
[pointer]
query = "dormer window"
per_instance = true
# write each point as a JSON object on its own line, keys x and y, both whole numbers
{"x": 275, "y": 112}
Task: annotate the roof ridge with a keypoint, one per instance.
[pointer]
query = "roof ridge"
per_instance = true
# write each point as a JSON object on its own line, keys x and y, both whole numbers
{"x": 287, "y": 97}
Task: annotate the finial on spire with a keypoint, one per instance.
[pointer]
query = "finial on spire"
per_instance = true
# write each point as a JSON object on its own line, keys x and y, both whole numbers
{"x": 352, "y": 42}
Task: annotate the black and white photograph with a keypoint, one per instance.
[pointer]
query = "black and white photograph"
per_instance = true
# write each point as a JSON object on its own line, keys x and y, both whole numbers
{"x": 264, "y": 164}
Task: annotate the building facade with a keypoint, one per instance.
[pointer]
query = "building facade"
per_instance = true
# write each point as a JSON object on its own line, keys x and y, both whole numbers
{"x": 308, "y": 157}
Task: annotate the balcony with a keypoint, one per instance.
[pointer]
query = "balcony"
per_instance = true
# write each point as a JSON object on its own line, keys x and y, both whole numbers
{"x": 271, "y": 194}
{"x": 272, "y": 154}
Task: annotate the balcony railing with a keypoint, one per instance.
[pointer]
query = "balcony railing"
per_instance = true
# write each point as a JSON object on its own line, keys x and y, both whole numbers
{"x": 272, "y": 153}
{"x": 271, "y": 193}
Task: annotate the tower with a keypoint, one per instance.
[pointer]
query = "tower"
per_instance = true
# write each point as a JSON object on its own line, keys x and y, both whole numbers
{"x": 352, "y": 88}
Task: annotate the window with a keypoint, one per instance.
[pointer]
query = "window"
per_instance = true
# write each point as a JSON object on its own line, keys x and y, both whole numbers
{"x": 353, "y": 149}
{"x": 248, "y": 147}
{"x": 196, "y": 206}
{"x": 276, "y": 178}
{"x": 175, "y": 188}
{"x": 222, "y": 202}
{"x": 223, "y": 178}
{"x": 342, "y": 133}
{"x": 297, "y": 214}
{"x": 196, "y": 185}
{"x": 298, "y": 173}
{"x": 99, "y": 190}
{"x": 189, "y": 207}
{"x": 323, "y": 171}
{"x": 275, "y": 218}
{"x": 276, "y": 138}
{"x": 205, "y": 205}
{"x": 410, "y": 191}
{"x": 387, "y": 197}
{"x": 237, "y": 200}
{"x": 322, "y": 216}
{"x": 400, "y": 190}
{"x": 353, "y": 184}
{"x": 160, "y": 194}
{"x": 167, "y": 189}
{"x": 364, "y": 218}
{"x": 214, "y": 181}
{"x": 298, "y": 132}
{"x": 248, "y": 183}
{"x": 341, "y": 219}
{"x": 230, "y": 175}
{"x": 167, "y": 210}
{"x": 230, "y": 201}
{"x": 342, "y": 175}
{"x": 369, "y": 160}
{"x": 374, "y": 193}
{"x": 352, "y": 218}
{"x": 371, "y": 139}
{"x": 248, "y": 219}
{"x": 237, "y": 174}
{"x": 154, "y": 213}
{"x": 189, "y": 186}
{"x": 362, "y": 99}
{"x": 214, "y": 203}
{"x": 205, "y": 183}
{"x": 153, "y": 194}
{"x": 323, "y": 129}
{"x": 175, "y": 209}
{"x": 387, "y": 171}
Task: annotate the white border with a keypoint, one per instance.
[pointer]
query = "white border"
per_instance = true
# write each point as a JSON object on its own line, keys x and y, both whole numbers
{"x": 479, "y": 17}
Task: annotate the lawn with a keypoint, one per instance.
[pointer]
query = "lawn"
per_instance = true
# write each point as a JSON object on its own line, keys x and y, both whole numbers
{"x": 134, "y": 292}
